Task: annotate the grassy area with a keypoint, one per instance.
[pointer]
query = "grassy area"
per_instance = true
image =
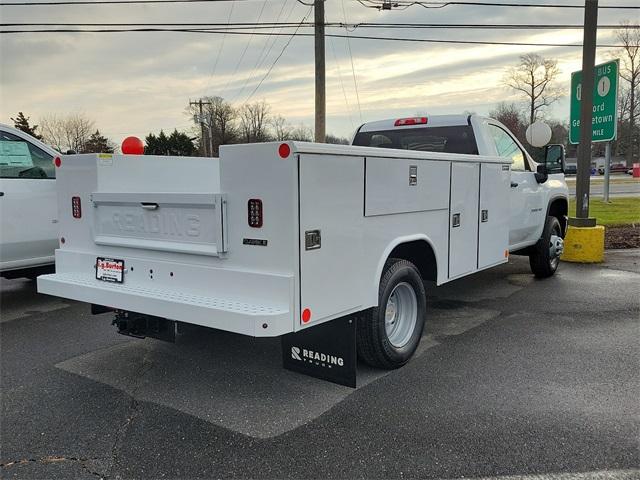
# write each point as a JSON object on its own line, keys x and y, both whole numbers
{"x": 619, "y": 211}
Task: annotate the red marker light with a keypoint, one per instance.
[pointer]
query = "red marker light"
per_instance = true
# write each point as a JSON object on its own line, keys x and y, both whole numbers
{"x": 401, "y": 122}
{"x": 57, "y": 162}
{"x": 306, "y": 315}
{"x": 284, "y": 150}
{"x": 132, "y": 146}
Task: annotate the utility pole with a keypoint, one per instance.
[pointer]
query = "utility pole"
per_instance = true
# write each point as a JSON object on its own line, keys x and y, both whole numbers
{"x": 320, "y": 129}
{"x": 586, "y": 113}
{"x": 200, "y": 103}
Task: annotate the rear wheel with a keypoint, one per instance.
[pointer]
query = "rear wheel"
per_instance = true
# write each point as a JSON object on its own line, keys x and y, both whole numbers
{"x": 389, "y": 334}
{"x": 545, "y": 256}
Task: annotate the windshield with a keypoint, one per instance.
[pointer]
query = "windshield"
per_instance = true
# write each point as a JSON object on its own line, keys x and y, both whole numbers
{"x": 455, "y": 139}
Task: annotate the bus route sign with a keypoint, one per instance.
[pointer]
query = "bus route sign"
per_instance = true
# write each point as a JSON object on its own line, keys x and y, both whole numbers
{"x": 605, "y": 103}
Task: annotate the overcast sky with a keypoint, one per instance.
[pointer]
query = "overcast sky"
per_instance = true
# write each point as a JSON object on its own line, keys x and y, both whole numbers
{"x": 136, "y": 83}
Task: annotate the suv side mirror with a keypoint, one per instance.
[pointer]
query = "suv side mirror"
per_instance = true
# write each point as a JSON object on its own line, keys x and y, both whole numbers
{"x": 554, "y": 158}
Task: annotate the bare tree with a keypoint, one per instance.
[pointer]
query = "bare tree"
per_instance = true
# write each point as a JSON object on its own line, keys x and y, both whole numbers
{"x": 511, "y": 117}
{"x": 71, "y": 132}
{"x": 329, "y": 138}
{"x": 534, "y": 79}
{"x": 301, "y": 133}
{"x": 281, "y": 129}
{"x": 220, "y": 118}
{"x": 254, "y": 120}
{"x": 629, "y": 37}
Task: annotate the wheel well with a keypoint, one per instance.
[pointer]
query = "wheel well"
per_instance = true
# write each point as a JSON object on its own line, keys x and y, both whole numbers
{"x": 421, "y": 254}
{"x": 559, "y": 208}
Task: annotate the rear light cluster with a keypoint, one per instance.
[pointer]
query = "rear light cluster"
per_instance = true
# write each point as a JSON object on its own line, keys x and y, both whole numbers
{"x": 410, "y": 121}
{"x": 254, "y": 212}
{"x": 76, "y": 207}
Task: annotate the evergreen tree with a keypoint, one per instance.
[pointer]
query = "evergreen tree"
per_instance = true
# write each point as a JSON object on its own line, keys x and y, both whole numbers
{"x": 97, "y": 144}
{"x": 22, "y": 123}
{"x": 178, "y": 144}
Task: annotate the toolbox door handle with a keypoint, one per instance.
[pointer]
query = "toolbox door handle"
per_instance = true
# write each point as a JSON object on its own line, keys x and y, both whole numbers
{"x": 149, "y": 205}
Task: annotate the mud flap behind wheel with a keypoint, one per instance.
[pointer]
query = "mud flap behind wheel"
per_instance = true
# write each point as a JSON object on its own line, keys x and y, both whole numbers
{"x": 326, "y": 351}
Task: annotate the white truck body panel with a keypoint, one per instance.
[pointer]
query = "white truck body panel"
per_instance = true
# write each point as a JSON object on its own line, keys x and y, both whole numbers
{"x": 180, "y": 225}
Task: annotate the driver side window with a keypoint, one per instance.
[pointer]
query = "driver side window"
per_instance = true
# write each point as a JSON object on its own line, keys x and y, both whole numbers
{"x": 508, "y": 148}
{"x": 21, "y": 159}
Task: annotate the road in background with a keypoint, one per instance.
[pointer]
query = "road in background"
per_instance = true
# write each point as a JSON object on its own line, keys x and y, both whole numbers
{"x": 620, "y": 186}
{"x": 515, "y": 376}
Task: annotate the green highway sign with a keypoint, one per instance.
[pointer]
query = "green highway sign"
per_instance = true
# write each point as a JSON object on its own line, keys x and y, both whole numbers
{"x": 605, "y": 103}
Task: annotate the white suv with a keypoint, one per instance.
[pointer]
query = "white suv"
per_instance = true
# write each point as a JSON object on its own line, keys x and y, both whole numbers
{"x": 28, "y": 205}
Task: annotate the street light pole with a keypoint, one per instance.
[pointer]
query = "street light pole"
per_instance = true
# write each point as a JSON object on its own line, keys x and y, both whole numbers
{"x": 586, "y": 112}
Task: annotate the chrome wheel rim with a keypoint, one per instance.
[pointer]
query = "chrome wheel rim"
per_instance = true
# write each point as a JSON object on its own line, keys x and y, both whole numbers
{"x": 556, "y": 247}
{"x": 401, "y": 314}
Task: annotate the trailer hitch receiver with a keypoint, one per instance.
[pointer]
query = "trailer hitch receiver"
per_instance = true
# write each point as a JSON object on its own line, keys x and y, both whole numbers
{"x": 140, "y": 326}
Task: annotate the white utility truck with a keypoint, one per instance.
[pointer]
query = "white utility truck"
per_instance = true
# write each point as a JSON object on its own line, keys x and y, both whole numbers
{"x": 281, "y": 239}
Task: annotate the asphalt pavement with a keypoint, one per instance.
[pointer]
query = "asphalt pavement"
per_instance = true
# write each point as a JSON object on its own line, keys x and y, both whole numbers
{"x": 516, "y": 378}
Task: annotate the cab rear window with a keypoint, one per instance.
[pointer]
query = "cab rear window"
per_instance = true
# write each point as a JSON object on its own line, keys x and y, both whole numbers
{"x": 454, "y": 139}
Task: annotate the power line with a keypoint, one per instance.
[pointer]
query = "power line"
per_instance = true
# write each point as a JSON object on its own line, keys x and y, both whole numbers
{"x": 215, "y": 64}
{"x": 353, "y": 26}
{"x": 106, "y": 2}
{"x": 262, "y": 55}
{"x": 344, "y": 92}
{"x": 296, "y": 34}
{"x": 278, "y": 57}
{"x": 379, "y": 4}
{"x": 403, "y": 5}
{"x": 246, "y": 47}
{"x": 353, "y": 70}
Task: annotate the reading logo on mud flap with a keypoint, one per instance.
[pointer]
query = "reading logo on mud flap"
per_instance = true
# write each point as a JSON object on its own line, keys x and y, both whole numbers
{"x": 323, "y": 359}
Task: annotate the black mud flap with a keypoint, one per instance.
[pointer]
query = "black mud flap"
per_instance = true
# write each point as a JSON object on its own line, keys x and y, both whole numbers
{"x": 326, "y": 351}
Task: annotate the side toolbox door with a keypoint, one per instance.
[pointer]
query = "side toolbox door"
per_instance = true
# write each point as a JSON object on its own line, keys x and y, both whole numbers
{"x": 493, "y": 234}
{"x": 331, "y": 194}
{"x": 463, "y": 218}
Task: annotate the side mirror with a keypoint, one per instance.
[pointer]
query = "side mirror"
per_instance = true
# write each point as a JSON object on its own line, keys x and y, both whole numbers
{"x": 554, "y": 158}
{"x": 541, "y": 173}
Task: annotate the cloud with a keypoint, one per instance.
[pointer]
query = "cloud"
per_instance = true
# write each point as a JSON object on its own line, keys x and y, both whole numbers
{"x": 134, "y": 83}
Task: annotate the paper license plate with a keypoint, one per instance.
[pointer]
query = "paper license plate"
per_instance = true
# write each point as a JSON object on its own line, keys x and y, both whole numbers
{"x": 110, "y": 270}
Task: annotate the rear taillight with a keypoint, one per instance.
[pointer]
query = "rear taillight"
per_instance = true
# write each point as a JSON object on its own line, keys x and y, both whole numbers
{"x": 57, "y": 162}
{"x": 254, "y": 212}
{"x": 410, "y": 121}
{"x": 76, "y": 207}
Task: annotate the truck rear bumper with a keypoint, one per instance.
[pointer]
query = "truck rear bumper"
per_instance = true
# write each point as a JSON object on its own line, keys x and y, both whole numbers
{"x": 234, "y": 313}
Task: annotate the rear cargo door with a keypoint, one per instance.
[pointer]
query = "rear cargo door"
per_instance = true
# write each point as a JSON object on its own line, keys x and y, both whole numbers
{"x": 331, "y": 194}
{"x": 192, "y": 223}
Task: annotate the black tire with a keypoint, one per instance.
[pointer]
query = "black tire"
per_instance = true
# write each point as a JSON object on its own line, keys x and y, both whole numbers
{"x": 542, "y": 263}
{"x": 374, "y": 345}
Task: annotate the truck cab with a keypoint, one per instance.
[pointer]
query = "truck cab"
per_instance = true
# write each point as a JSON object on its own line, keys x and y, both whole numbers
{"x": 533, "y": 196}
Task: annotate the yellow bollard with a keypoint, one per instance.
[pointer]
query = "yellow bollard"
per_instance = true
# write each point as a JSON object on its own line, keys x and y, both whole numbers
{"x": 584, "y": 244}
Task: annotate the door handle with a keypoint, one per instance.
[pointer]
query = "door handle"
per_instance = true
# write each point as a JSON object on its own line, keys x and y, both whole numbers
{"x": 1, "y": 194}
{"x": 149, "y": 205}
{"x": 514, "y": 184}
